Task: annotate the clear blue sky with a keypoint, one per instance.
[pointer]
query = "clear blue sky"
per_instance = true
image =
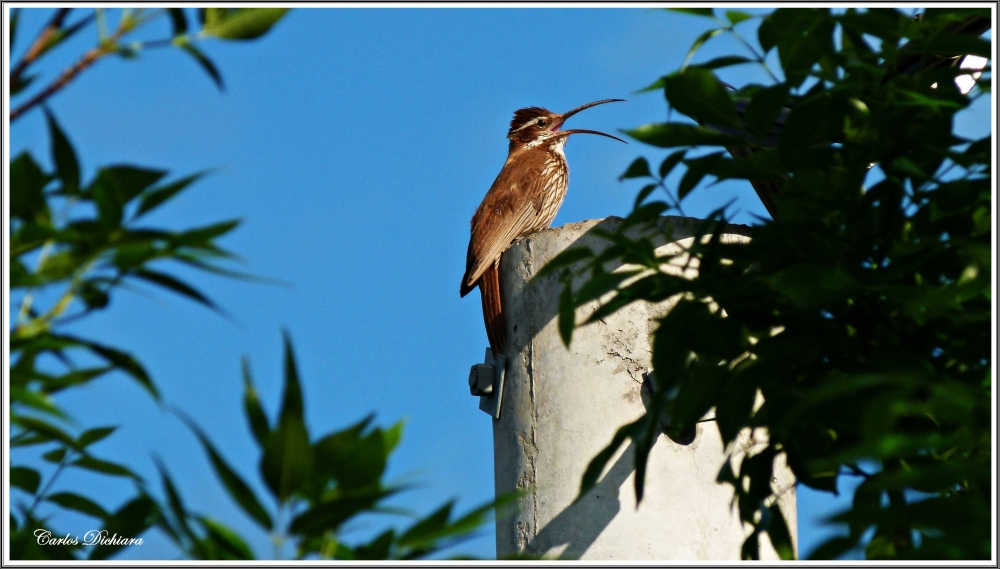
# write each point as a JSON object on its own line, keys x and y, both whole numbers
{"x": 355, "y": 144}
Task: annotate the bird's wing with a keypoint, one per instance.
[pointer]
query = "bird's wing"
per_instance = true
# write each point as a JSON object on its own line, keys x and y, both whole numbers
{"x": 507, "y": 212}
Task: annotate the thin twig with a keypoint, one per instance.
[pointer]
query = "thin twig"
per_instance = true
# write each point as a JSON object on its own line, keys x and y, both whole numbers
{"x": 38, "y": 46}
{"x": 38, "y": 496}
{"x": 71, "y": 72}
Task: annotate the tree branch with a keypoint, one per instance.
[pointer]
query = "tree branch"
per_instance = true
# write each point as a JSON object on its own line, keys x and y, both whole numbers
{"x": 86, "y": 61}
{"x": 38, "y": 46}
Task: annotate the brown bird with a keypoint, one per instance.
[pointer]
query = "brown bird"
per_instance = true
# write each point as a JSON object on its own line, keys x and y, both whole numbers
{"x": 523, "y": 200}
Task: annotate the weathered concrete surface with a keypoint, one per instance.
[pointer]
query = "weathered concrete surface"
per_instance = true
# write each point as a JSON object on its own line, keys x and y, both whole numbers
{"x": 562, "y": 406}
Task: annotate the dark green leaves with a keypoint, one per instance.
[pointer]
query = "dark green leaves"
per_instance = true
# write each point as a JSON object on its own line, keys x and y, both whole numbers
{"x": 637, "y": 169}
{"x": 251, "y": 406}
{"x": 203, "y": 61}
{"x": 287, "y": 463}
{"x": 178, "y": 21}
{"x": 852, "y": 329}
{"x": 27, "y": 182}
{"x": 129, "y": 522}
{"x": 764, "y": 108}
{"x": 67, "y": 167}
{"x": 114, "y": 187}
{"x": 79, "y": 503}
{"x": 26, "y": 479}
{"x": 233, "y": 483}
{"x": 699, "y": 95}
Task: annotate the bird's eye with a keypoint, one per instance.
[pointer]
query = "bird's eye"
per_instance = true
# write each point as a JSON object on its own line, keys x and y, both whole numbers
{"x": 542, "y": 123}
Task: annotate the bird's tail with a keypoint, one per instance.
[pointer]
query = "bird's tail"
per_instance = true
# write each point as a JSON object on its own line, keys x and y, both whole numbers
{"x": 489, "y": 286}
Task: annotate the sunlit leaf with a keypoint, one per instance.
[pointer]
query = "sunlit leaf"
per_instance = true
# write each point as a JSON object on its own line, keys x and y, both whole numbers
{"x": 242, "y": 23}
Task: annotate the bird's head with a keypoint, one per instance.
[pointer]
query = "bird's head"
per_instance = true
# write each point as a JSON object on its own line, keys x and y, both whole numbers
{"x": 534, "y": 125}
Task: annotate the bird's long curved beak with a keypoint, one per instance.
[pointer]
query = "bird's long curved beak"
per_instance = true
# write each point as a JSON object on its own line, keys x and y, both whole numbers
{"x": 562, "y": 118}
{"x": 585, "y": 131}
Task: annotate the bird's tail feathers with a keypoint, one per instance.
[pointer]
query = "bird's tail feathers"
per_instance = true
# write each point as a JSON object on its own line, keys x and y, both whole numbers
{"x": 489, "y": 286}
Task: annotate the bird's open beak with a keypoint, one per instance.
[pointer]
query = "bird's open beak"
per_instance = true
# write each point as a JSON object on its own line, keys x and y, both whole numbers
{"x": 562, "y": 118}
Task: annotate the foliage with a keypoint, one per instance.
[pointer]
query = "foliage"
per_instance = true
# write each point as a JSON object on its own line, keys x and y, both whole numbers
{"x": 222, "y": 23}
{"x": 861, "y": 313}
{"x": 74, "y": 243}
{"x": 320, "y": 487}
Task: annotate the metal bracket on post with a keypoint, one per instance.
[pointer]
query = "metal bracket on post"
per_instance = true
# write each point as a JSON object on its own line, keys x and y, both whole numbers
{"x": 486, "y": 381}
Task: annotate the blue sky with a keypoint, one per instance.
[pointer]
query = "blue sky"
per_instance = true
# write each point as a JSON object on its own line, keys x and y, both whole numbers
{"x": 355, "y": 144}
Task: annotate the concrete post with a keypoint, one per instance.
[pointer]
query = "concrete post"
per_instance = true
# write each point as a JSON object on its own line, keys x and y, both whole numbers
{"x": 562, "y": 406}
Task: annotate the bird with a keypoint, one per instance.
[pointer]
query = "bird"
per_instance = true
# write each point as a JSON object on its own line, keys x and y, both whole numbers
{"x": 524, "y": 199}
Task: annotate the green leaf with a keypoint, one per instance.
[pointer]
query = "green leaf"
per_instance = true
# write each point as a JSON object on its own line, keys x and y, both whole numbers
{"x": 734, "y": 408}
{"x": 697, "y": 168}
{"x": 15, "y": 18}
{"x": 202, "y": 236}
{"x": 130, "y": 181}
{"x": 129, "y": 522}
{"x": 698, "y": 42}
{"x": 78, "y": 503}
{"x": 203, "y": 60}
{"x": 25, "y": 478}
{"x": 654, "y": 86}
{"x": 428, "y": 528}
{"x": 21, "y": 83}
{"x": 638, "y": 169}
{"x": 26, "y": 184}
{"x": 329, "y": 515}
{"x": 36, "y": 400}
{"x": 55, "y": 456}
{"x": 174, "y": 498}
{"x": 833, "y": 548}
{"x": 671, "y": 162}
{"x": 116, "y": 186}
{"x": 699, "y": 95}
{"x": 155, "y": 197}
{"x": 720, "y": 62}
{"x": 63, "y": 156}
{"x": 287, "y": 461}
{"x": 392, "y": 436}
{"x": 242, "y": 23}
{"x": 178, "y": 21}
{"x": 124, "y": 362}
{"x": 781, "y": 538}
{"x": 235, "y": 485}
{"x": 764, "y": 109}
{"x": 352, "y": 459}
{"x": 226, "y": 539}
{"x": 103, "y": 466}
{"x": 667, "y": 135}
{"x": 291, "y": 402}
{"x": 92, "y": 436}
{"x": 180, "y": 287}
{"x": 251, "y": 405}
{"x": 736, "y": 16}
{"x": 43, "y": 428}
